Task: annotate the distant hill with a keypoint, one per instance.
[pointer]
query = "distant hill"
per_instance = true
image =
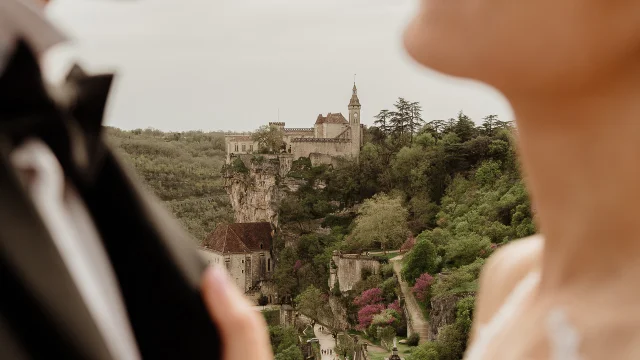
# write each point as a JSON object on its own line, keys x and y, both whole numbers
{"x": 182, "y": 169}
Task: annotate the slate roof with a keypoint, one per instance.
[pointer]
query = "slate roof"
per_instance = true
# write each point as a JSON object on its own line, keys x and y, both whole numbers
{"x": 337, "y": 118}
{"x": 239, "y": 238}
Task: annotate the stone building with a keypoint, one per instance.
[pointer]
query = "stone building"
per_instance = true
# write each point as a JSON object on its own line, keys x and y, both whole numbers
{"x": 244, "y": 249}
{"x": 331, "y": 136}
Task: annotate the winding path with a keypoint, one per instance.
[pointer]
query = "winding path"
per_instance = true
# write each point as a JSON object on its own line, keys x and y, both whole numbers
{"x": 417, "y": 321}
{"x": 326, "y": 342}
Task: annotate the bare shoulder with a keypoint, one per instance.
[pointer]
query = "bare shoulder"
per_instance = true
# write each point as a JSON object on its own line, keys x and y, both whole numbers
{"x": 502, "y": 272}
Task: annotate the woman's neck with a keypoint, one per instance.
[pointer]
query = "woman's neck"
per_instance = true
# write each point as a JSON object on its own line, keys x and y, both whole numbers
{"x": 581, "y": 160}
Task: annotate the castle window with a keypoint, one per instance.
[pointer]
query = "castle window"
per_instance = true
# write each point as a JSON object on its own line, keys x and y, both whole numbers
{"x": 242, "y": 272}
{"x": 268, "y": 264}
{"x": 243, "y": 261}
{"x": 244, "y": 148}
{"x": 236, "y": 147}
{"x": 260, "y": 246}
{"x": 250, "y": 147}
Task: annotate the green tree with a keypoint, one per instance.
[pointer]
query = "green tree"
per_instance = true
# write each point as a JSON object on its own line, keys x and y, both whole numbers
{"x": 427, "y": 351}
{"x": 282, "y": 337}
{"x": 490, "y": 124}
{"x": 284, "y": 275}
{"x": 467, "y": 249}
{"x": 383, "y": 120}
{"x": 291, "y": 353}
{"x": 464, "y": 127}
{"x": 381, "y": 220}
{"x": 312, "y": 303}
{"x": 421, "y": 259}
{"x": 269, "y": 138}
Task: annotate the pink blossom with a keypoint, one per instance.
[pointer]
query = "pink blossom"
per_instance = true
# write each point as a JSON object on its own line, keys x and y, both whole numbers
{"x": 366, "y": 314}
{"x": 421, "y": 288}
{"x": 369, "y": 297}
{"x": 395, "y": 306}
{"x": 297, "y": 265}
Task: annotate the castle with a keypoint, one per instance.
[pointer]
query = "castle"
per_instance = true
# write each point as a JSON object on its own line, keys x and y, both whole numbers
{"x": 331, "y": 137}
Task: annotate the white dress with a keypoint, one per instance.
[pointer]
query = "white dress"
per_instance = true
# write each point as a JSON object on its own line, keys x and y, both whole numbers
{"x": 564, "y": 340}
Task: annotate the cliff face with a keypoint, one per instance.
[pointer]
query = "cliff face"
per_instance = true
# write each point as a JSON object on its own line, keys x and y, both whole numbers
{"x": 255, "y": 192}
{"x": 443, "y": 312}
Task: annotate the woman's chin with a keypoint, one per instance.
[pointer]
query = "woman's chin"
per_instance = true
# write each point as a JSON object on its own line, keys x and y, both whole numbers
{"x": 430, "y": 49}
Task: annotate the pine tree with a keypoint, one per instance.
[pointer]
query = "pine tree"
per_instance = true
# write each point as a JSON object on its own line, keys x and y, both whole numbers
{"x": 383, "y": 121}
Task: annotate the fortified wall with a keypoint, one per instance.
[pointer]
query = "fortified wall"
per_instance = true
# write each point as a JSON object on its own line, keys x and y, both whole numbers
{"x": 347, "y": 269}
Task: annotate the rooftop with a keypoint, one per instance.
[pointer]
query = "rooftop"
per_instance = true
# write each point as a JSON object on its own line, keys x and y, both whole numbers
{"x": 240, "y": 238}
{"x": 337, "y": 118}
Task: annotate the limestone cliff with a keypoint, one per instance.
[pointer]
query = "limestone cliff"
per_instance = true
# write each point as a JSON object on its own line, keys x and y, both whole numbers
{"x": 253, "y": 185}
{"x": 443, "y": 312}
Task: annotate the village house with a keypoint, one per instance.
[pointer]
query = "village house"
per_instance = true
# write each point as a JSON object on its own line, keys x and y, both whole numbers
{"x": 332, "y": 136}
{"x": 244, "y": 250}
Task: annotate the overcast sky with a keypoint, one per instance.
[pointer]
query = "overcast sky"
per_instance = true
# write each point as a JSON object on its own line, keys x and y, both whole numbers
{"x": 231, "y": 64}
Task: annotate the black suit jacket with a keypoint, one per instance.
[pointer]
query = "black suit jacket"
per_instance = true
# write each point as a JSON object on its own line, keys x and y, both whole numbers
{"x": 156, "y": 264}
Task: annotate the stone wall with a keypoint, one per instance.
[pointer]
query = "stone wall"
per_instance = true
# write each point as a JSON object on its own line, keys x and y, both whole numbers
{"x": 347, "y": 269}
{"x": 245, "y": 270}
{"x": 333, "y": 130}
{"x": 332, "y": 148}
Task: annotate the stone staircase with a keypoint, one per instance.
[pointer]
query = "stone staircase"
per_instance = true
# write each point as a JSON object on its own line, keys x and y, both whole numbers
{"x": 415, "y": 320}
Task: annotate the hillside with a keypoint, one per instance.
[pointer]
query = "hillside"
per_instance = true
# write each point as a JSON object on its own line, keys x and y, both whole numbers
{"x": 183, "y": 170}
{"x": 450, "y": 191}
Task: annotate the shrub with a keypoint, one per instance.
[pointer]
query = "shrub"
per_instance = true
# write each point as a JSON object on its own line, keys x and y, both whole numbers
{"x": 427, "y": 351}
{"x": 386, "y": 317}
{"x": 422, "y": 259}
{"x": 389, "y": 289}
{"x": 461, "y": 280}
{"x": 263, "y": 300}
{"x": 366, "y": 273}
{"x": 413, "y": 340}
{"x": 237, "y": 165}
{"x": 372, "y": 281}
{"x": 387, "y": 271}
{"x": 291, "y": 353}
{"x": 366, "y": 314}
{"x": 467, "y": 249}
{"x": 272, "y": 317}
{"x": 369, "y": 297}
{"x": 421, "y": 288}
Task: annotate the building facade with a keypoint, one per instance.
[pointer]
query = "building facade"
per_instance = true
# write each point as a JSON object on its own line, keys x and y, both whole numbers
{"x": 244, "y": 250}
{"x": 331, "y": 136}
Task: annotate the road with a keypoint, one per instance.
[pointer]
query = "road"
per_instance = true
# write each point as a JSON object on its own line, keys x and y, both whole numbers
{"x": 419, "y": 324}
{"x": 326, "y": 342}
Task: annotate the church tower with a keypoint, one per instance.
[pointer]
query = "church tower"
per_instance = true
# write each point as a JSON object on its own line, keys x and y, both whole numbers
{"x": 354, "y": 122}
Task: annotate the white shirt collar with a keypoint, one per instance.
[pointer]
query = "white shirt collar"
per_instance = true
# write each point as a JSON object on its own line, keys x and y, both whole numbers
{"x": 25, "y": 19}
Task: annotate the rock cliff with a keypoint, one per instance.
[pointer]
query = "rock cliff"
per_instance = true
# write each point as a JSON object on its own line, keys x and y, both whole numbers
{"x": 253, "y": 185}
{"x": 443, "y": 312}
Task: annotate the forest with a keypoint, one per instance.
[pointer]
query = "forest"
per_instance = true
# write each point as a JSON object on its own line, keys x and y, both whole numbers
{"x": 448, "y": 191}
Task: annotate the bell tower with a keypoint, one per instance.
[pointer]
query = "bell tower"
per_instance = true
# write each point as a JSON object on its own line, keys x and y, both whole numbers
{"x": 354, "y": 123}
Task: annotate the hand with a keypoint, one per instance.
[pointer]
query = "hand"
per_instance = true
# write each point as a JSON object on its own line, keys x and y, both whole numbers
{"x": 242, "y": 329}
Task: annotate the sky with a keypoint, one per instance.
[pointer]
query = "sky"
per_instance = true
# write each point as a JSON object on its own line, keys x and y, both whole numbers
{"x": 238, "y": 64}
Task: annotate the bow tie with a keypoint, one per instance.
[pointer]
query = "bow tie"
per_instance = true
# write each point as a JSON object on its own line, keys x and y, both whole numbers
{"x": 68, "y": 117}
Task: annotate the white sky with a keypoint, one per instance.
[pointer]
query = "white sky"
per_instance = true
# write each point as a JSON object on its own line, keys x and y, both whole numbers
{"x": 231, "y": 64}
